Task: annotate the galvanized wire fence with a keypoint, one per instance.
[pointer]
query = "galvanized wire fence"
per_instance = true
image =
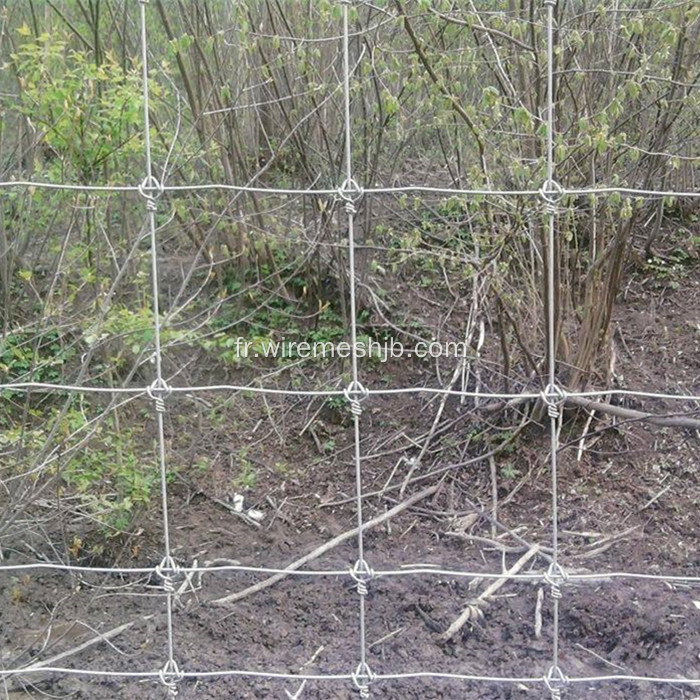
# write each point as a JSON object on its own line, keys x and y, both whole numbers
{"x": 351, "y": 194}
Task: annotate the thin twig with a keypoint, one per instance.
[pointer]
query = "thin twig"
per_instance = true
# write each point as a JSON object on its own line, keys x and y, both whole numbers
{"x": 326, "y": 547}
{"x": 474, "y": 608}
{"x": 111, "y": 634}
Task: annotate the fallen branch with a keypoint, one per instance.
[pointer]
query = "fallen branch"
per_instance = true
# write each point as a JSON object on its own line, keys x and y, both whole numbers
{"x": 600, "y": 658}
{"x": 538, "y": 613}
{"x": 474, "y": 608}
{"x": 602, "y": 545}
{"x": 326, "y": 547}
{"x": 491, "y": 543}
{"x": 111, "y": 634}
{"x": 671, "y": 421}
{"x": 676, "y": 421}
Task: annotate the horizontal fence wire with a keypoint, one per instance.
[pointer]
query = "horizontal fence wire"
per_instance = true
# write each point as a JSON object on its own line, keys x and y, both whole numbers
{"x": 378, "y": 677}
{"x": 169, "y": 571}
{"x": 321, "y": 393}
{"x": 366, "y": 191}
{"x": 406, "y": 570}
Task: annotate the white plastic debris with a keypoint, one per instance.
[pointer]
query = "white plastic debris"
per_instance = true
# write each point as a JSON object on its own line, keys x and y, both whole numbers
{"x": 238, "y": 502}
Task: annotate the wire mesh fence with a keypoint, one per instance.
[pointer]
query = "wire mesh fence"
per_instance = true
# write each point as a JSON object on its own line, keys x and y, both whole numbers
{"x": 176, "y": 578}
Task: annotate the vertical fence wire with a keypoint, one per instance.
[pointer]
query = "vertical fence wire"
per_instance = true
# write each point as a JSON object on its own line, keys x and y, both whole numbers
{"x": 150, "y": 189}
{"x": 553, "y": 395}
{"x": 553, "y": 398}
{"x": 350, "y": 193}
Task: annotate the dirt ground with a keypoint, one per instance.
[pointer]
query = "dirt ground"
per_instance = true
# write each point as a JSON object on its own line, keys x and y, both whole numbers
{"x": 630, "y": 503}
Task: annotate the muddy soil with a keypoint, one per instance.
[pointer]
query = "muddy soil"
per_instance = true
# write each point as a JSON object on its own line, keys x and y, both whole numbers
{"x": 628, "y": 502}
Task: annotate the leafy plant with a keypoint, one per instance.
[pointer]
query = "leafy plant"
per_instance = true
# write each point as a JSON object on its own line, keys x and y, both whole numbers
{"x": 127, "y": 333}
{"x": 247, "y": 476}
{"x": 111, "y": 475}
{"x": 91, "y": 113}
{"x": 670, "y": 269}
{"x": 25, "y": 357}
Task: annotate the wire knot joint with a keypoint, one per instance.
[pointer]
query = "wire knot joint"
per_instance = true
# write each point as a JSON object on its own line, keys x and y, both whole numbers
{"x": 362, "y": 678}
{"x": 168, "y": 571}
{"x": 150, "y": 189}
{"x": 159, "y": 391}
{"x": 351, "y": 193}
{"x": 355, "y": 393}
{"x": 170, "y": 675}
{"x": 551, "y": 194}
{"x": 362, "y": 574}
{"x": 555, "y": 577}
{"x": 553, "y": 397}
{"x": 556, "y": 681}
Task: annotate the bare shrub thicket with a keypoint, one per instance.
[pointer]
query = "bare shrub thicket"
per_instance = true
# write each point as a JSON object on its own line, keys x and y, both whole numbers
{"x": 443, "y": 94}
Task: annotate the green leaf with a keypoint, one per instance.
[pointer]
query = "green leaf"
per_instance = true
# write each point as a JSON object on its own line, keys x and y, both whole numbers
{"x": 523, "y": 118}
